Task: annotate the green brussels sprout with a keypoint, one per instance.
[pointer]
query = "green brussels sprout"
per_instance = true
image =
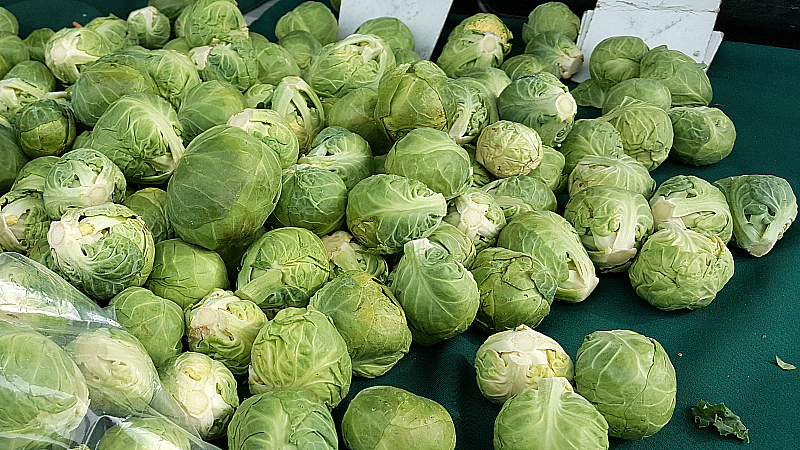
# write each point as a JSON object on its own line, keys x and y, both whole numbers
{"x": 283, "y": 418}
{"x": 611, "y": 170}
{"x": 8, "y": 22}
{"x": 551, "y": 16}
{"x": 763, "y": 207}
{"x": 438, "y": 294}
{"x": 355, "y": 111}
{"x": 434, "y": 158}
{"x": 507, "y": 148}
{"x": 492, "y": 78}
{"x": 33, "y": 173}
{"x": 151, "y": 205}
{"x": 509, "y": 361}
{"x": 231, "y": 60}
{"x": 283, "y": 268}
{"x": 342, "y": 152}
{"x": 519, "y": 193}
{"x": 541, "y": 102}
{"x": 179, "y": 44}
{"x": 552, "y": 240}
{"x": 207, "y": 20}
{"x": 703, "y": 135}
{"x": 82, "y": 140}
{"x": 399, "y": 109}
{"x": 476, "y": 108}
{"x": 470, "y": 49}
{"x": 144, "y": 433}
{"x": 273, "y": 130}
{"x": 485, "y": 23}
{"x": 378, "y": 417}
{"x": 391, "y": 30}
{"x": 13, "y": 51}
{"x": 301, "y": 45}
{"x": 120, "y": 375}
{"x": 37, "y": 43}
{"x": 174, "y": 74}
{"x": 301, "y": 349}
{"x": 34, "y": 72}
{"x": 297, "y": 102}
{"x": 515, "y": 289}
{"x": 590, "y": 137}
{"x": 345, "y": 255}
{"x": 646, "y": 131}
{"x": 369, "y": 318}
{"x": 185, "y": 273}
{"x": 23, "y": 220}
{"x": 478, "y": 215}
{"x": 16, "y": 93}
{"x": 311, "y": 198}
{"x": 141, "y": 134}
{"x": 616, "y": 59}
{"x": 274, "y": 61}
{"x": 99, "y": 181}
{"x": 685, "y": 78}
{"x": 70, "y": 48}
{"x": 170, "y": 8}
{"x": 480, "y": 176}
{"x": 151, "y": 27}
{"x": 629, "y": 378}
{"x": 591, "y": 92}
{"x": 208, "y": 104}
{"x": 612, "y": 223}
{"x": 695, "y": 203}
{"x": 556, "y": 49}
{"x": 45, "y": 127}
{"x": 314, "y": 17}
{"x": 115, "y": 30}
{"x": 455, "y": 242}
{"x": 404, "y": 56}
{"x": 45, "y": 388}
{"x": 525, "y": 64}
{"x": 12, "y": 158}
{"x": 258, "y": 96}
{"x": 550, "y": 407}
{"x": 550, "y": 170}
{"x": 648, "y": 90}
{"x": 223, "y": 189}
{"x": 204, "y": 388}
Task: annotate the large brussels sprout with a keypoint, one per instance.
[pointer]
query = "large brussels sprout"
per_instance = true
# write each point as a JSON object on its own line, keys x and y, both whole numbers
{"x": 551, "y": 16}
{"x": 207, "y": 20}
{"x": 455, "y": 242}
{"x": 391, "y": 30}
{"x": 703, "y": 135}
{"x": 12, "y": 158}
{"x": 492, "y": 78}
{"x": 541, "y": 102}
{"x": 273, "y": 130}
{"x": 345, "y": 254}
{"x": 509, "y": 361}
{"x": 342, "y": 152}
{"x": 612, "y": 223}
{"x": 208, "y": 104}
{"x": 355, "y": 111}
{"x": 32, "y": 174}
{"x": 685, "y": 78}
{"x": 70, "y": 48}
{"x": 550, "y": 170}
{"x": 274, "y": 61}
{"x": 45, "y": 127}
{"x": 37, "y": 43}
{"x": 517, "y": 194}
{"x": 471, "y": 49}
{"x": 205, "y": 389}
{"x": 611, "y": 170}
{"x": 590, "y": 137}
{"x": 301, "y": 45}
{"x": 151, "y": 205}
{"x": 556, "y": 49}
{"x": 223, "y": 189}
{"x": 550, "y": 415}
{"x": 616, "y": 59}
{"x": 314, "y": 17}
{"x": 439, "y": 296}
{"x": 763, "y": 207}
{"x": 476, "y": 109}
{"x": 509, "y": 148}
{"x": 279, "y": 419}
{"x": 115, "y": 30}
{"x": 515, "y": 289}
{"x": 42, "y": 385}
{"x": 478, "y": 215}
{"x": 185, "y": 273}
{"x": 23, "y": 220}
{"x": 297, "y": 102}
{"x": 695, "y": 203}
{"x": 629, "y": 378}
{"x": 646, "y": 131}
{"x": 386, "y": 211}
{"x": 151, "y": 27}
{"x": 369, "y": 318}
{"x": 155, "y": 321}
{"x": 229, "y": 60}
{"x": 173, "y": 73}
{"x": 389, "y": 417}
{"x": 145, "y": 433}
{"x": 311, "y": 198}
{"x": 301, "y": 349}
{"x": 648, "y": 90}
{"x": 224, "y": 326}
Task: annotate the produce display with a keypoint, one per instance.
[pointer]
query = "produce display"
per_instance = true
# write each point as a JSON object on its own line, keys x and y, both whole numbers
{"x": 209, "y": 240}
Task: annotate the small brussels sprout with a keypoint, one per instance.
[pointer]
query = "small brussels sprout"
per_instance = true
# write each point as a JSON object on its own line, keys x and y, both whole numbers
{"x": 492, "y": 78}
{"x": 301, "y": 349}
{"x": 273, "y": 130}
{"x": 33, "y": 173}
{"x": 378, "y": 417}
{"x": 342, "y": 152}
{"x": 37, "y": 43}
{"x": 519, "y": 193}
{"x": 205, "y": 389}
{"x": 45, "y": 127}
{"x": 550, "y": 407}
{"x": 470, "y": 49}
{"x": 509, "y": 361}
{"x": 556, "y": 49}
{"x": 616, "y": 59}
{"x": 550, "y": 170}
{"x": 509, "y": 148}
{"x": 438, "y": 294}
{"x": 391, "y": 30}
{"x": 311, "y": 198}
{"x": 476, "y": 214}
{"x": 457, "y": 244}
{"x": 345, "y": 254}
{"x": 685, "y": 78}
{"x": 173, "y": 73}
{"x": 695, "y": 203}
{"x": 310, "y": 16}
{"x": 151, "y": 27}
{"x": 476, "y": 109}
{"x": 369, "y": 318}
{"x": 151, "y": 205}
{"x": 145, "y": 433}
{"x": 230, "y": 60}
{"x": 551, "y": 16}
{"x": 648, "y": 90}
{"x": 703, "y": 135}
{"x": 525, "y": 64}
{"x": 621, "y": 171}
{"x": 23, "y": 220}
{"x": 210, "y": 19}
{"x": 480, "y": 176}
{"x": 208, "y": 104}
{"x": 590, "y": 137}
{"x": 646, "y": 131}
{"x": 297, "y": 102}
{"x": 302, "y": 46}
{"x": 274, "y": 61}
{"x": 70, "y": 48}
{"x": 629, "y": 378}
{"x": 355, "y": 111}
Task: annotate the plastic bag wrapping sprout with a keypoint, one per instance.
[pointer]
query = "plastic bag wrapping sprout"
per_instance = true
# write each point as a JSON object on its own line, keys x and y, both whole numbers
{"x": 71, "y": 376}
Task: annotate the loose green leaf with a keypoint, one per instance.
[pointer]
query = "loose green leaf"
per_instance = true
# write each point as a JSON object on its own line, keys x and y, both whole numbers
{"x": 783, "y": 364}
{"x": 721, "y": 417}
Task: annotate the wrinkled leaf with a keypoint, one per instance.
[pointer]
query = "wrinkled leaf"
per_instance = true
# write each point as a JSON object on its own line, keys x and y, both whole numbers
{"x": 721, "y": 417}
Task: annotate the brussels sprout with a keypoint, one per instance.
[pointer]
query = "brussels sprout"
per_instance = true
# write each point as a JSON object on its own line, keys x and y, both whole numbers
{"x": 476, "y": 109}
{"x": 484, "y": 23}
{"x": 550, "y": 407}
{"x": 151, "y": 205}
{"x": 297, "y": 102}
{"x": 23, "y": 220}
{"x": 470, "y": 49}
{"x": 301, "y": 349}
{"x": 115, "y": 30}
{"x": 16, "y": 93}
{"x": 34, "y": 72}
{"x": 523, "y": 65}
{"x": 230, "y": 60}
{"x": 170, "y": 8}
{"x": 685, "y": 78}
{"x": 609, "y": 170}
{"x": 492, "y": 78}
{"x": 207, "y": 20}
{"x": 47, "y": 391}
{"x": 185, "y": 273}
{"x": 476, "y": 214}
{"x": 310, "y": 16}
{"x": 480, "y": 176}
{"x": 355, "y": 111}
{"x": 391, "y": 30}
{"x": 616, "y": 59}
{"x": 369, "y": 318}
{"x": 258, "y": 96}
{"x": 208, "y": 104}
{"x": 311, "y": 198}
{"x": 45, "y": 127}
{"x": 12, "y": 52}
{"x": 515, "y": 289}
{"x": 274, "y": 61}
{"x": 390, "y": 417}
{"x": 223, "y": 189}
{"x": 549, "y": 238}
{"x": 646, "y": 131}
{"x": 541, "y": 102}
{"x": 509, "y": 361}
{"x": 412, "y": 96}
{"x": 33, "y": 173}
{"x": 647, "y": 90}
{"x": 205, "y": 389}
{"x": 403, "y": 56}
{"x": 99, "y": 180}
{"x": 283, "y": 268}
{"x": 283, "y": 418}
{"x": 70, "y": 48}
{"x": 590, "y": 137}
{"x": 629, "y": 378}
{"x": 551, "y": 16}
{"x": 703, "y": 135}
{"x": 144, "y": 433}
{"x": 37, "y": 43}
{"x": 178, "y": 44}
{"x": 519, "y": 193}
{"x": 550, "y": 170}
{"x": 612, "y": 223}
{"x": 695, "y": 203}
{"x": 509, "y": 148}
{"x": 455, "y": 242}
{"x": 273, "y": 130}
{"x": 763, "y": 207}
{"x": 8, "y": 22}
{"x": 556, "y": 49}
{"x": 345, "y": 254}
{"x": 151, "y": 27}
{"x": 342, "y": 152}
{"x": 302, "y": 46}
{"x": 439, "y": 296}
{"x": 12, "y": 158}
{"x": 590, "y": 92}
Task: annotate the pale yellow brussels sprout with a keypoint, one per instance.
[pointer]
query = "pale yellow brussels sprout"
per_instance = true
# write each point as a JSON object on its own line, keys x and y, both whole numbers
{"x": 509, "y": 148}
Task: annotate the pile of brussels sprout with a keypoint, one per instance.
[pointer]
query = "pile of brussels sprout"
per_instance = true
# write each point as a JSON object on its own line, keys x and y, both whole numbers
{"x": 297, "y": 213}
